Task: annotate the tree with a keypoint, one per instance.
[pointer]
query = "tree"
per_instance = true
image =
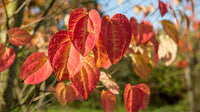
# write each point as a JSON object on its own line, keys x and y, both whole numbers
{"x": 76, "y": 55}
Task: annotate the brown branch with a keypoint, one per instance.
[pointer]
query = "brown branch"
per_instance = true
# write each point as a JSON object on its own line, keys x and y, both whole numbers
{"x": 45, "y": 13}
{"x": 7, "y": 20}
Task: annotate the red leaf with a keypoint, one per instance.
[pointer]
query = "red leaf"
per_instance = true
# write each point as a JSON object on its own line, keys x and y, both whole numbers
{"x": 84, "y": 29}
{"x": 7, "y": 57}
{"x": 18, "y": 37}
{"x": 133, "y": 98}
{"x": 108, "y": 101}
{"x": 86, "y": 80}
{"x": 142, "y": 32}
{"x": 35, "y": 69}
{"x": 116, "y": 34}
{"x": 162, "y": 7}
{"x": 155, "y": 51}
{"x": 146, "y": 92}
{"x": 61, "y": 55}
{"x": 100, "y": 53}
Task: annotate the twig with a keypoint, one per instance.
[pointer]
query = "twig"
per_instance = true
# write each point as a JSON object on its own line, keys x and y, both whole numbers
{"x": 7, "y": 20}
{"x": 29, "y": 105}
{"x": 20, "y": 8}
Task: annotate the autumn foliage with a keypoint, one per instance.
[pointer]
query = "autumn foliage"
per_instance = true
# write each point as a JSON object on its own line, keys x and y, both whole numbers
{"x": 91, "y": 43}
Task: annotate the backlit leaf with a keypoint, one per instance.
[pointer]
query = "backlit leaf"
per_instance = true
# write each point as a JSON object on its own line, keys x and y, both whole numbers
{"x": 142, "y": 65}
{"x": 108, "y": 101}
{"x": 167, "y": 49}
{"x": 142, "y": 32}
{"x": 65, "y": 60}
{"x": 7, "y": 57}
{"x": 162, "y": 7}
{"x": 146, "y": 95}
{"x": 100, "y": 53}
{"x": 133, "y": 98}
{"x": 35, "y": 69}
{"x": 84, "y": 29}
{"x": 109, "y": 83}
{"x": 86, "y": 80}
{"x": 18, "y": 37}
{"x": 170, "y": 29}
{"x": 116, "y": 34}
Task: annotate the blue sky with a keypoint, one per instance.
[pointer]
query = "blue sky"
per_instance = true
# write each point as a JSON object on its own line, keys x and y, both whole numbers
{"x": 111, "y": 7}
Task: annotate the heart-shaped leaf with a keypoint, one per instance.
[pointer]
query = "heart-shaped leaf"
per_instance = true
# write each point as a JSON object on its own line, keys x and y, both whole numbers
{"x": 108, "y": 101}
{"x": 84, "y": 29}
{"x": 61, "y": 55}
{"x": 7, "y": 57}
{"x": 116, "y": 34}
{"x": 86, "y": 80}
{"x": 18, "y": 37}
{"x": 35, "y": 69}
{"x": 142, "y": 32}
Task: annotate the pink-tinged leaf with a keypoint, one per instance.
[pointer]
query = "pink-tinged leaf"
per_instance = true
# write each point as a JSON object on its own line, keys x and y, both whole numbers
{"x": 100, "y": 53}
{"x": 142, "y": 32}
{"x": 18, "y": 37}
{"x": 35, "y": 69}
{"x": 133, "y": 98}
{"x": 86, "y": 80}
{"x": 65, "y": 60}
{"x": 7, "y": 57}
{"x": 146, "y": 91}
{"x": 162, "y": 7}
{"x": 84, "y": 29}
{"x": 116, "y": 34}
{"x": 170, "y": 29}
{"x": 108, "y": 101}
{"x": 107, "y": 64}
{"x": 109, "y": 83}
{"x": 58, "y": 53}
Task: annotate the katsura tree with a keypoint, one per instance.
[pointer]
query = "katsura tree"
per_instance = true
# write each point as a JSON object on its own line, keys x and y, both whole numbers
{"x": 79, "y": 55}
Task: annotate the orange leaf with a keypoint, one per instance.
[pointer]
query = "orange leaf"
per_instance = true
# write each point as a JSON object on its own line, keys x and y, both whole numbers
{"x": 170, "y": 29}
{"x": 35, "y": 69}
{"x": 86, "y": 80}
{"x": 18, "y": 37}
{"x": 196, "y": 24}
{"x": 100, "y": 53}
{"x": 116, "y": 34}
{"x": 109, "y": 83}
{"x": 142, "y": 65}
{"x": 108, "y": 101}
{"x": 162, "y": 7}
{"x": 133, "y": 98}
{"x": 7, "y": 57}
{"x": 84, "y": 29}
{"x": 65, "y": 93}
{"x": 175, "y": 17}
{"x": 142, "y": 32}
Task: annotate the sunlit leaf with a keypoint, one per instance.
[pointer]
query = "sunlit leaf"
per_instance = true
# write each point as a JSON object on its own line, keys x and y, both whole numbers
{"x": 133, "y": 98}
{"x": 108, "y": 101}
{"x": 7, "y": 57}
{"x": 167, "y": 49}
{"x": 86, "y": 80}
{"x": 162, "y": 7}
{"x": 19, "y": 37}
{"x": 84, "y": 29}
{"x": 61, "y": 55}
{"x": 116, "y": 34}
{"x": 35, "y": 69}
{"x": 170, "y": 29}
{"x": 142, "y": 65}
{"x": 146, "y": 95}
{"x": 142, "y": 32}
{"x": 175, "y": 17}
{"x": 109, "y": 83}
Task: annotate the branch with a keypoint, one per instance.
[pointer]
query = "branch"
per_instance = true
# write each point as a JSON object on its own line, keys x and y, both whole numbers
{"x": 45, "y": 13}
